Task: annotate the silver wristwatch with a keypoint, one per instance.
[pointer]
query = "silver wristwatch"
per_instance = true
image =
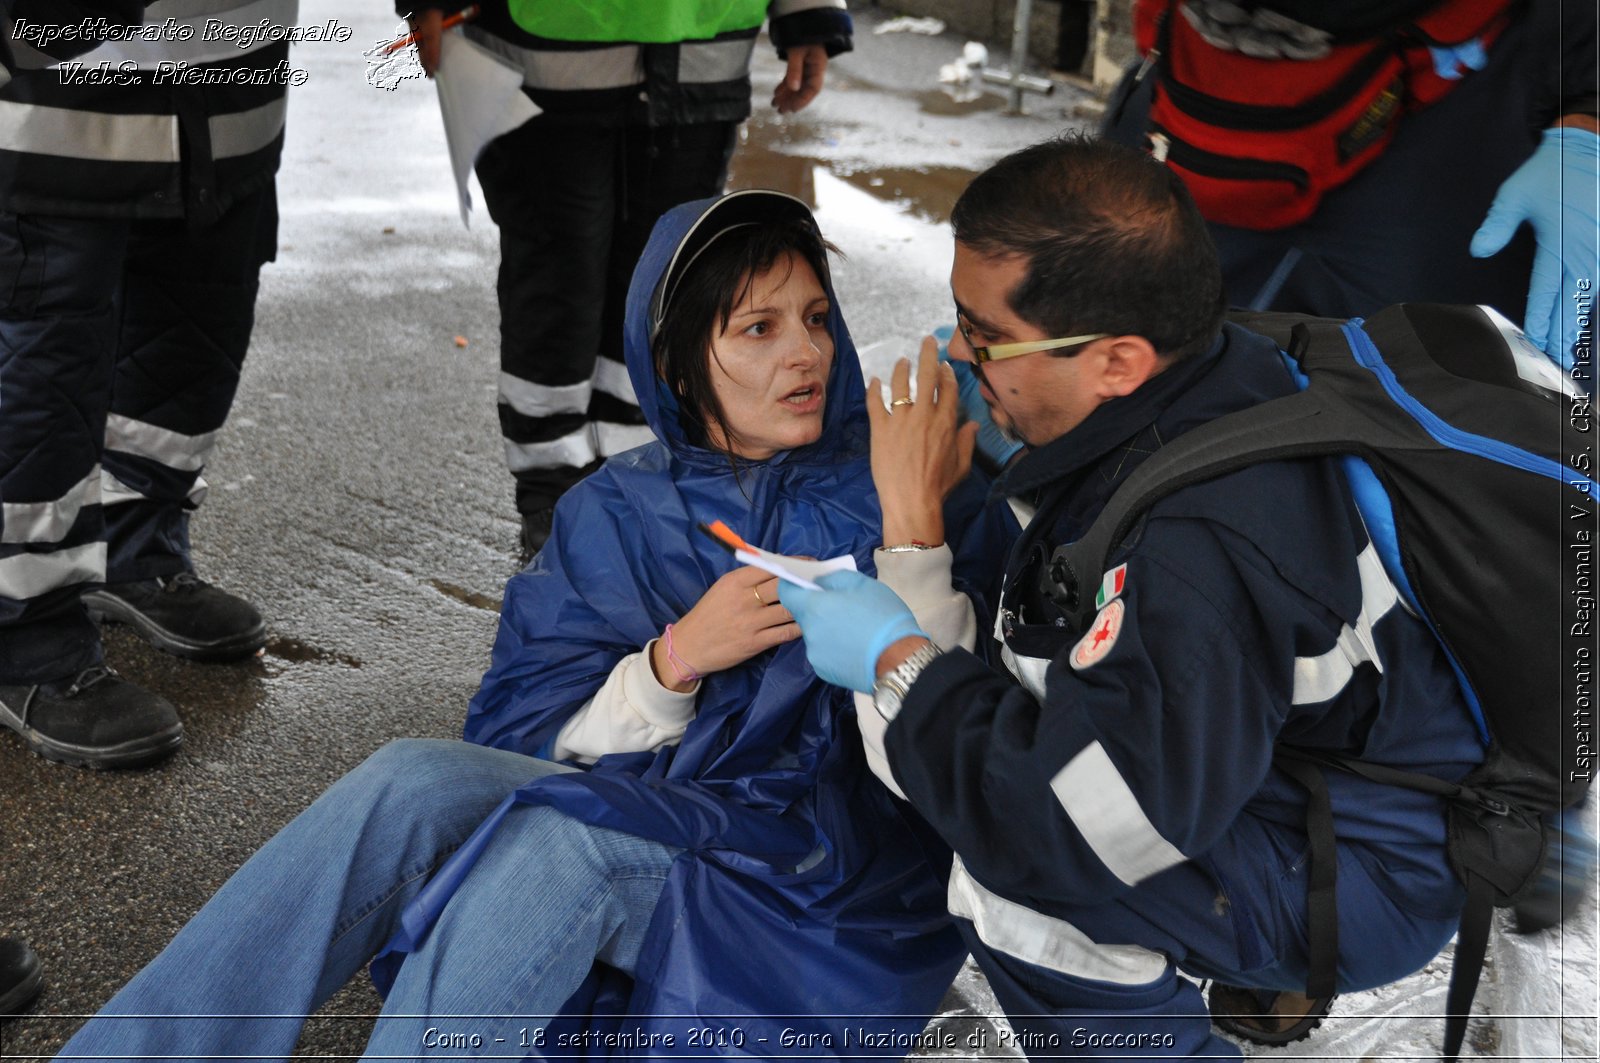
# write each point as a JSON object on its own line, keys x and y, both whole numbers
{"x": 891, "y": 689}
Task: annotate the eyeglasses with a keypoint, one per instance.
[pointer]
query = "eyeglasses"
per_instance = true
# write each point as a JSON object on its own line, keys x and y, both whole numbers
{"x": 1016, "y": 350}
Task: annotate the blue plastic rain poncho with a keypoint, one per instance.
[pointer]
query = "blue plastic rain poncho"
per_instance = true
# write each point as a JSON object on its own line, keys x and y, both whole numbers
{"x": 805, "y": 892}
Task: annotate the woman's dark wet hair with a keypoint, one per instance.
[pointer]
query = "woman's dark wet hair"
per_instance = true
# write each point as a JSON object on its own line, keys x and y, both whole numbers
{"x": 705, "y": 297}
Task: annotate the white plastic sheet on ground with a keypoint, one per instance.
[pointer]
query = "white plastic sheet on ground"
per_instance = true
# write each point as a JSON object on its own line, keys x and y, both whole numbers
{"x": 928, "y": 27}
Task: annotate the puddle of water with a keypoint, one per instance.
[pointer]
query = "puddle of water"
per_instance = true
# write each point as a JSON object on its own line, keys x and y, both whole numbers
{"x": 297, "y": 652}
{"x": 762, "y": 161}
{"x": 461, "y": 594}
{"x": 954, "y": 101}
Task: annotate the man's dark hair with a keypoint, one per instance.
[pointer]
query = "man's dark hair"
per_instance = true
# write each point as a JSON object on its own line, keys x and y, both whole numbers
{"x": 1114, "y": 243}
{"x": 712, "y": 287}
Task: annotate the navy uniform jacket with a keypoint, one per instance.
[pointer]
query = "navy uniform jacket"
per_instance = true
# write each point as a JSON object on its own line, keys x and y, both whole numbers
{"x": 1252, "y": 611}
{"x": 113, "y": 134}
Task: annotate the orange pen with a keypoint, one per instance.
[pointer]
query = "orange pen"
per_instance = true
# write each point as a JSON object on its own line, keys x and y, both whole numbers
{"x": 464, "y": 15}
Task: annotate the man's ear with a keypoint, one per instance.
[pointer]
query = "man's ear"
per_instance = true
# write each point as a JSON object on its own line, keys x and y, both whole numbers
{"x": 1126, "y": 363}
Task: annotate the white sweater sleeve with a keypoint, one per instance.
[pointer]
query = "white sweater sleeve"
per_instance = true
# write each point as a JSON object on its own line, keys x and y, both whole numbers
{"x": 922, "y": 580}
{"x": 631, "y": 713}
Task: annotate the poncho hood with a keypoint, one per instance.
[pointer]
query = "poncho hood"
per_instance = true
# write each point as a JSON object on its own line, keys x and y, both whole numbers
{"x": 679, "y": 237}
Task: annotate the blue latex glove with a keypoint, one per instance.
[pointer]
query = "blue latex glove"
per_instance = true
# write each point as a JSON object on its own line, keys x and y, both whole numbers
{"x": 1554, "y": 191}
{"x": 993, "y": 444}
{"x": 847, "y": 625}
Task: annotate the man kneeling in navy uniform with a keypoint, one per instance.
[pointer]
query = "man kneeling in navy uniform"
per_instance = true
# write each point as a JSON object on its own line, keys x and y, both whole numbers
{"x": 1112, "y": 799}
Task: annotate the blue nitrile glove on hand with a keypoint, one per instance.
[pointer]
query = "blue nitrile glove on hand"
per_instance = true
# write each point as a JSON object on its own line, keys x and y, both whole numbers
{"x": 993, "y": 444}
{"x": 1554, "y": 192}
{"x": 847, "y": 625}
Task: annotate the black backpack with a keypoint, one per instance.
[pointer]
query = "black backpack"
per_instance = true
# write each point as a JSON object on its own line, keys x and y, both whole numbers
{"x": 1471, "y": 461}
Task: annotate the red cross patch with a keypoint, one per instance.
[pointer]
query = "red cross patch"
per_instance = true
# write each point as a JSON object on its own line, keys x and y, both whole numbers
{"x": 1101, "y": 636}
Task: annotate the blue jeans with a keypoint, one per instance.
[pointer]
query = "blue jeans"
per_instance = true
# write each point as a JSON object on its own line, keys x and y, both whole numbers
{"x": 314, "y": 905}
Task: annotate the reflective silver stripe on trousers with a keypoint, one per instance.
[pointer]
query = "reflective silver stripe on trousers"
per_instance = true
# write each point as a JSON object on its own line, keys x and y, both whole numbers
{"x": 242, "y": 132}
{"x": 186, "y": 14}
{"x": 48, "y": 522}
{"x": 617, "y": 66}
{"x": 30, "y": 575}
{"x": 1316, "y": 679}
{"x": 1045, "y": 941}
{"x": 612, "y": 378}
{"x": 172, "y": 449}
{"x": 612, "y": 439}
{"x": 575, "y": 448}
{"x": 114, "y": 492}
{"x": 1108, "y": 815}
{"x": 707, "y": 62}
{"x": 536, "y": 400}
{"x": 68, "y": 134}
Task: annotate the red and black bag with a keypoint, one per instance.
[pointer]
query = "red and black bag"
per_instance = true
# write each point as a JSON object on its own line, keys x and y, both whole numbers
{"x": 1260, "y": 141}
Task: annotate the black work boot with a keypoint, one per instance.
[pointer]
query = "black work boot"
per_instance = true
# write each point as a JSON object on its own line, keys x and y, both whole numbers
{"x": 20, "y": 978}
{"x": 93, "y": 720}
{"x": 183, "y": 615}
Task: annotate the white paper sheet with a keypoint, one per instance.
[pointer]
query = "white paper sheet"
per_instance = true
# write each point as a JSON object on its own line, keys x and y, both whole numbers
{"x": 797, "y": 570}
{"x": 480, "y": 97}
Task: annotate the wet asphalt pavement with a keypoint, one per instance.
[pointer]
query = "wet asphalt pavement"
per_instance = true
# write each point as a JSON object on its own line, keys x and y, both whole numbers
{"x": 358, "y": 494}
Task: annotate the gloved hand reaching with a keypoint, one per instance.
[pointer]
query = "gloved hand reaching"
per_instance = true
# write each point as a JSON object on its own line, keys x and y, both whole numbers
{"x": 1554, "y": 191}
{"x": 995, "y": 448}
{"x": 847, "y": 625}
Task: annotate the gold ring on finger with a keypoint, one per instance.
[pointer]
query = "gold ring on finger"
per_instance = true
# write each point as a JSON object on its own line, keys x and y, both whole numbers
{"x": 902, "y": 402}
{"x": 757, "y": 592}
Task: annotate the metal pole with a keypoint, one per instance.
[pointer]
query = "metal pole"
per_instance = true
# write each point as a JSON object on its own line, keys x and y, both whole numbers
{"x": 1019, "y": 51}
{"x": 1018, "y": 81}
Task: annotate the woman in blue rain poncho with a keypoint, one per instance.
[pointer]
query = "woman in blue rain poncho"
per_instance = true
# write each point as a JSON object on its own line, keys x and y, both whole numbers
{"x": 713, "y": 869}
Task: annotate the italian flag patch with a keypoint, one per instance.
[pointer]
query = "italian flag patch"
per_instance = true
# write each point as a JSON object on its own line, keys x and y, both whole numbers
{"x": 1111, "y": 586}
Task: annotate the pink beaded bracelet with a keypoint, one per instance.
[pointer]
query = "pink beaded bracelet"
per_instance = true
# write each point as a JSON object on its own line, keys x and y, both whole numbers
{"x": 680, "y": 667}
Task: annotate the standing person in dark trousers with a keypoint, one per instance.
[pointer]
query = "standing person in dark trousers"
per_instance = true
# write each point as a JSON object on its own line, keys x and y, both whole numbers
{"x": 1113, "y": 799}
{"x": 640, "y": 113}
{"x": 135, "y": 214}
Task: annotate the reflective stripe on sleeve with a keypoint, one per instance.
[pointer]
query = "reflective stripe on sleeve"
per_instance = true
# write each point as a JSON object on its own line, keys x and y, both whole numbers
{"x": 1045, "y": 941}
{"x": 48, "y": 522}
{"x": 184, "y": 40}
{"x": 1317, "y": 679}
{"x": 537, "y": 400}
{"x": 30, "y": 575}
{"x": 575, "y": 448}
{"x": 617, "y": 66}
{"x": 68, "y": 134}
{"x": 708, "y": 62}
{"x": 1107, "y": 814}
{"x": 172, "y": 449}
{"x": 243, "y": 132}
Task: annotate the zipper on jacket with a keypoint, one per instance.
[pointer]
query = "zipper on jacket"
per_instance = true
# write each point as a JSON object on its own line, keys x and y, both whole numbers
{"x": 1367, "y": 355}
{"x": 1214, "y": 110}
{"x": 1166, "y": 147}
